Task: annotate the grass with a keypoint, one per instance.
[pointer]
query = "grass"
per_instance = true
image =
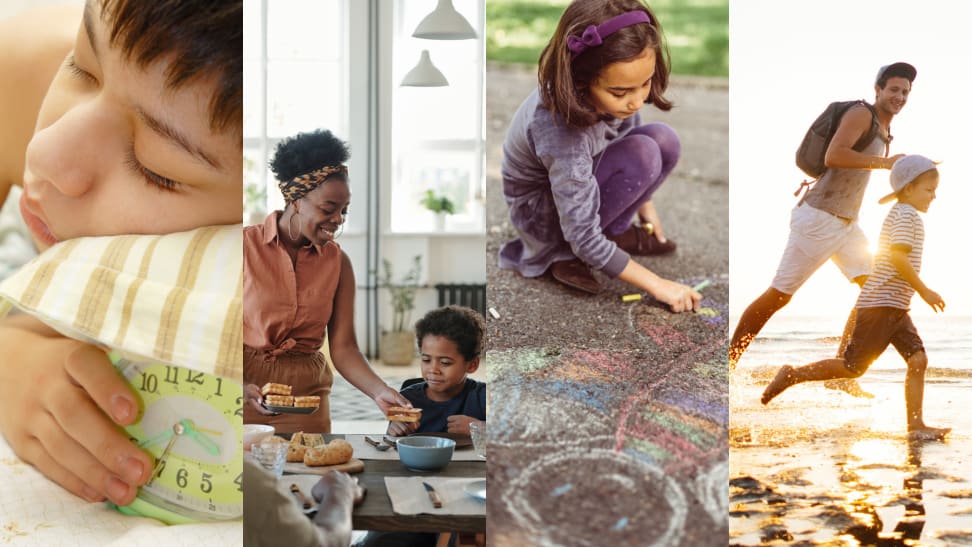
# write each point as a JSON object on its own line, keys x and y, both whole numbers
{"x": 697, "y": 32}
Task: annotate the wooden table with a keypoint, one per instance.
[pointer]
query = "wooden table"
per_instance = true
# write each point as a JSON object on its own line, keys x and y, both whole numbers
{"x": 376, "y": 513}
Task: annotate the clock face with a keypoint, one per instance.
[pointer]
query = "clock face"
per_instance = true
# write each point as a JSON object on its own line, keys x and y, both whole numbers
{"x": 192, "y": 424}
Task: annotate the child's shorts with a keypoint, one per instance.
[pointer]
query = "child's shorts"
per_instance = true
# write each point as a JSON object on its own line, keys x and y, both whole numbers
{"x": 874, "y": 330}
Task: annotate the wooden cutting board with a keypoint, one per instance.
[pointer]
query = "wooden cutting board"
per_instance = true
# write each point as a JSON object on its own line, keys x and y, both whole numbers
{"x": 354, "y": 465}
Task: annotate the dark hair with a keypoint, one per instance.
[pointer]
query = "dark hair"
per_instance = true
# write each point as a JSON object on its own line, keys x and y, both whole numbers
{"x": 565, "y": 83}
{"x": 463, "y": 326}
{"x": 204, "y": 39}
{"x": 896, "y": 70}
{"x": 307, "y": 152}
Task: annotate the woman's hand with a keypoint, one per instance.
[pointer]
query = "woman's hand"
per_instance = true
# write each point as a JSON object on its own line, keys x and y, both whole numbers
{"x": 251, "y": 393}
{"x": 387, "y": 397}
{"x": 459, "y": 424}
{"x": 647, "y": 213}
{"x": 62, "y": 401}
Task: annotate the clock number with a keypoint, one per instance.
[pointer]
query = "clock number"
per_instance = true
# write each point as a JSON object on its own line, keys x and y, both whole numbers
{"x": 207, "y": 485}
{"x": 219, "y": 387}
{"x": 182, "y": 478}
{"x": 239, "y": 482}
{"x": 171, "y": 375}
{"x": 239, "y": 406}
{"x": 161, "y": 468}
{"x": 195, "y": 378}
{"x": 150, "y": 383}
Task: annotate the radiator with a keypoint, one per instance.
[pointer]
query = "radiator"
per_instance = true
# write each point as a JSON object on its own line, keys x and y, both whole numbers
{"x": 471, "y": 295}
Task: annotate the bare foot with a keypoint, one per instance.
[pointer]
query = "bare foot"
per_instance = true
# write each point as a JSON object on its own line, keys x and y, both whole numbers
{"x": 783, "y": 380}
{"x": 926, "y": 433}
{"x": 848, "y": 385}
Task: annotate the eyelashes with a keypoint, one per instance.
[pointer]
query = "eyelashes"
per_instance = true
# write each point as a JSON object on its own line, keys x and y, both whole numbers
{"x": 77, "y": 71}
{"x": 163, "y": 183}
{"x": 150, "y": 177}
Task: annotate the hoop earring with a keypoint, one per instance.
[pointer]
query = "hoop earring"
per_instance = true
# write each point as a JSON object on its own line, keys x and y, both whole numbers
{"x": 290, "y": 226}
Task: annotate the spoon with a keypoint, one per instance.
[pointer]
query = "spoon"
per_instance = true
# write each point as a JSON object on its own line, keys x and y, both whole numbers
{"x": 378, "y": 446}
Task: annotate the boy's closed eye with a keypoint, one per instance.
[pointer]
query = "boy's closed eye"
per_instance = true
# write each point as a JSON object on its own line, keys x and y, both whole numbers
{"x": 131, "y": 159}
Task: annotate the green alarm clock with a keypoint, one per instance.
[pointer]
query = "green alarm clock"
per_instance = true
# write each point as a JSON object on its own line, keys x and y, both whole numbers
{"x": 192, "y": 424}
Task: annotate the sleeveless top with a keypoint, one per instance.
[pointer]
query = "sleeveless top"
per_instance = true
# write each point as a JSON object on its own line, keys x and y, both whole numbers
{"x": 840, "y": 191}
{"x": 286, "y": 308}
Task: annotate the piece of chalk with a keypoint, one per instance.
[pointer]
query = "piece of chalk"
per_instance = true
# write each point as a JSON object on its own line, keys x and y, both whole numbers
{"x": 701, "y": 285}
{"x": 631, "y": 298}
{"x": 494, "y": 313}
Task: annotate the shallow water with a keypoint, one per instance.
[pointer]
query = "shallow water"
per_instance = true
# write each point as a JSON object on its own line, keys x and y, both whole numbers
{"x": 819, "y": 467}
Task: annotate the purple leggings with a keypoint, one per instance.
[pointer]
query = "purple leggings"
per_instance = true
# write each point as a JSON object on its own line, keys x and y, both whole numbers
{"x": 631, "y": 169}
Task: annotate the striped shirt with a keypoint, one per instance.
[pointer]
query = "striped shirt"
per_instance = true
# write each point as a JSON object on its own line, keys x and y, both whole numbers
{"x": 885, "y": 287}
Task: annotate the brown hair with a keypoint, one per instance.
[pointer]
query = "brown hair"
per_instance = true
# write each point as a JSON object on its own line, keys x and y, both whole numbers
{"x": 565, "y": 83}
{"x": 204, "y": 38}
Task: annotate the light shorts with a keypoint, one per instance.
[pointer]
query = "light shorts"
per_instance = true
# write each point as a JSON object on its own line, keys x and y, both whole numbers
{"x": 815, "y": 237}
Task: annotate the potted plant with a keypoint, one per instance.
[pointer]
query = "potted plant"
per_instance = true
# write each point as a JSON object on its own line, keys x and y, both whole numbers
{"x": 398, "y": 344}
{"x": 440, "y": 205}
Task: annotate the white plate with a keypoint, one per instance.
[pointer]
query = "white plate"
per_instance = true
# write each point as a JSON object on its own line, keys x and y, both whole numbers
{"x": 476, "y": 489}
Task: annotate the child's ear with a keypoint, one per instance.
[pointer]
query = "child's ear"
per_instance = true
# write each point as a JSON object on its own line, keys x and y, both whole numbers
{"x": 472, "y": 365}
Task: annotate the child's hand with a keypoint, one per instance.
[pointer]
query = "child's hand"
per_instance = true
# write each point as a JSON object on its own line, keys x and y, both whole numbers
{"x": 251, "y": 392}
{"x": 647, "y": 213}
{"x": 459, "y": 424}
{"x": 401, "y": 429}
{"x": 679, "y": 297}
{"x": 933, "y": 299}
{"x": 56, "y": 398}
{"x": 388, "y": 397}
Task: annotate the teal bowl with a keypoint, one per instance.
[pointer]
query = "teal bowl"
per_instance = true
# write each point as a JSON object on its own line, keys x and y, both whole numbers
{"x": 425, "y": 453}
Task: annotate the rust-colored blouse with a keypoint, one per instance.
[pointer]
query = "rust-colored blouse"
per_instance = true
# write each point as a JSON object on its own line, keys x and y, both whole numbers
{"x": 284, "y": 309}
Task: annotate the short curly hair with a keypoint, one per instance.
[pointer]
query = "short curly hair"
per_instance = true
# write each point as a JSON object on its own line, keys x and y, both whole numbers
{"x": 307, "y": 152}
{"x": 463, "y": 326}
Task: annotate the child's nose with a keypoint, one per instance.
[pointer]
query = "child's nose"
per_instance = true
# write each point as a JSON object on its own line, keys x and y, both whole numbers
{"x": 70, "y": 152}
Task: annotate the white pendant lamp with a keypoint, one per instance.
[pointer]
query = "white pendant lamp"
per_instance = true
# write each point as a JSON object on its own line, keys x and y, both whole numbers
{"x": 444, "y": 23}
{"x": 425, "y": 74}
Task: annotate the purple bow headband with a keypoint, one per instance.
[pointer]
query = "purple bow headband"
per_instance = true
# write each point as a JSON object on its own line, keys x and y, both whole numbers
{"x": 594, "y": 35}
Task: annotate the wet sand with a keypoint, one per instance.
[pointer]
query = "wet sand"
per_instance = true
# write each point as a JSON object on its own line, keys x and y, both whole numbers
{"x": 819, "y": 467}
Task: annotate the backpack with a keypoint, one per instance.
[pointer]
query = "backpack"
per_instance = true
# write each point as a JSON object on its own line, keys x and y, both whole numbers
{"x": 813, "y": 148}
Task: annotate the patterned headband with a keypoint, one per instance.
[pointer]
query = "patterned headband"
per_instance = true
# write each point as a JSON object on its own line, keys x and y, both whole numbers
{"x": 298, "y": 187}
{"x": 594, "y": 35}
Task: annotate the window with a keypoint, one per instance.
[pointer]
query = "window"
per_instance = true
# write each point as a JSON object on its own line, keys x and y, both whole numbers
{"x": 437, "y": 132}
{"x": 295, "y": 78}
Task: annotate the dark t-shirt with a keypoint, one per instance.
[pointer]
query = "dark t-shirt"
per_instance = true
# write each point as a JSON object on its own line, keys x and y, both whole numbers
{"x": 471, "y": 401}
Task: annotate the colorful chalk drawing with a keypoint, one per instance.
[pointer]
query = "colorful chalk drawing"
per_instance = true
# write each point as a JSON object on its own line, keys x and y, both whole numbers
{"x": 614, "y": 448}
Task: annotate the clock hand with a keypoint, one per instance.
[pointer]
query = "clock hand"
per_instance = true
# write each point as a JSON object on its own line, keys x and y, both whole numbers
{"x": 158, "y": 439}
{"x": 179, "y": 429}
{"x": 201, "y": 439}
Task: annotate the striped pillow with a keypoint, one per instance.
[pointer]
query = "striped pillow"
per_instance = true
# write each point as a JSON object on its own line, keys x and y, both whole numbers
{"x": 174, "y": 298}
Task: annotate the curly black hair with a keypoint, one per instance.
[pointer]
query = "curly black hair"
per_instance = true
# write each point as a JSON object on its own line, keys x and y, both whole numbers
{"x": 307, "y": 152}
{"x": 464, "y": 326}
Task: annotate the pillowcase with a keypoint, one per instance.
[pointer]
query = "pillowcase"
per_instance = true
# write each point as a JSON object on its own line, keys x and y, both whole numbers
{"x": 173, "y": 298}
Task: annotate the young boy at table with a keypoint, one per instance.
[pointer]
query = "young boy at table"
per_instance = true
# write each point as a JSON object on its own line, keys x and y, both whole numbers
{"x": 450, "y": 340}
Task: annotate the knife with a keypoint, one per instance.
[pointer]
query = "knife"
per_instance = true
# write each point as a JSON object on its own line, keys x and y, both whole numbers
{"x": 433, "y": 495}
{"x": 300, "y": 496}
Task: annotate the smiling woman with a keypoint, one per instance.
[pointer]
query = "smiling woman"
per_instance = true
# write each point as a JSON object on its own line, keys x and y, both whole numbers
{"x": 299, "y": 288}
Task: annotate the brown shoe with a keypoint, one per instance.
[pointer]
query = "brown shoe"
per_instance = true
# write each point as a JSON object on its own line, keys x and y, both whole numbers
{"x": 637, "y": 241}
{"x": 575, "y": 274}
